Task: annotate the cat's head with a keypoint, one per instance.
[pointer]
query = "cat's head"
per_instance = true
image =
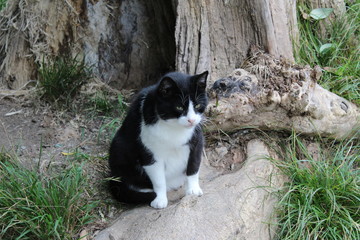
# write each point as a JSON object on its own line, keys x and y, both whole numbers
{"x": 182, "y": 99}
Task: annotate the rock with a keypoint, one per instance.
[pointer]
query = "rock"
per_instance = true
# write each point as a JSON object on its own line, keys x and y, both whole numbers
{"x": 233, "y": 207}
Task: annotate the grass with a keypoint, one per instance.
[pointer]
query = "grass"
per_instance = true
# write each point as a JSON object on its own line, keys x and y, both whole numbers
{"x": 109, "y": 128}
{"x": 337, "y": 50}
{"x": 322, "y": 198}
{"x": 103, "y": 104}
{"x": 61, "y": 78}
{"x": 2, "y": 4}
{"x": 33, "y": 206}
{"x": 112, "y": 114}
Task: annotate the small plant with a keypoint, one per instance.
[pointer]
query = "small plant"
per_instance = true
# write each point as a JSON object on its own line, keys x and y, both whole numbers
{"x": 36, "y": 207}
{"x": 333, "y": 45}
{"x": 109, "y": 128}
{"x": 104, "y": 104}
{"x": 322, "y": 199}
{"x": 62, "y": 78}
{"x": 101, "y": 103}
{"x": 113, "y": 118}
{"x": 2, "y": 4}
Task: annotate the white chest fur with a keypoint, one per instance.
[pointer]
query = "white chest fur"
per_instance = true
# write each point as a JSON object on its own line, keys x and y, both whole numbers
{"x": 168, "y": 144}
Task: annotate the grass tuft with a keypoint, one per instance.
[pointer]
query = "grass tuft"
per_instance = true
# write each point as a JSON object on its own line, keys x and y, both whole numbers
{"x": 3, "y": 4}
{"x": 36, "y": 207}
{"x": 104, "y": 104}
{"x": 321, "y": 200}
{"x": 62, "y": 78}
{"x": 336, "y": 51}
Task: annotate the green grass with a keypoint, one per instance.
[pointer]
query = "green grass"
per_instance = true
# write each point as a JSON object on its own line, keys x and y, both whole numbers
{"x": 61, "y": 78}
{"x": 103, "y": 104}
{"x": 337, "y": 51}
{"x": 113, "y": 114}
{"x": 109, "y": 128}
{"x": 33, "y": 206}
{"x": 322, "y": 200}
{"x": 2, "y": 4}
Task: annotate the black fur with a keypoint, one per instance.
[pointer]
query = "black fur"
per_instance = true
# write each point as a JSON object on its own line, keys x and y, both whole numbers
{"x": 127, "y": 154}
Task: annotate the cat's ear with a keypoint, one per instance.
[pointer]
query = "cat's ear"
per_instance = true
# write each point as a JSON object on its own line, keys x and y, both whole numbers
{"x": 166, "y": 87}
{"x": 200, "y": 80}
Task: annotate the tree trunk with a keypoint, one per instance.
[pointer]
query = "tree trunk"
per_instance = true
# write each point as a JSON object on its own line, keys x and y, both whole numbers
{"x": 131, "y": 43}
{"x": 216, "y": 35}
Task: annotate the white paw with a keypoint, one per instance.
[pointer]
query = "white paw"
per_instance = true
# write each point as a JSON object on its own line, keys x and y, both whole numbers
{"x": 159, "y": 202}
{"x": 195, "y": 190}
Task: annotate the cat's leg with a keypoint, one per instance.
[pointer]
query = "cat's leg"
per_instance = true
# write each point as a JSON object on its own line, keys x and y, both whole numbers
{"x": 192, "y": 185}
{"x": 156, "y": 173}
{"x": 192, "y": 171}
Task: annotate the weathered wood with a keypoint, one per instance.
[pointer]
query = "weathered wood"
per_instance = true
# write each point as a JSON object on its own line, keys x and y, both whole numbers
{"x": 276, "y": 95}
{"x": 216, "y": 35}
{"x": 129, "y": 44}
{"x": 232, "y": 207}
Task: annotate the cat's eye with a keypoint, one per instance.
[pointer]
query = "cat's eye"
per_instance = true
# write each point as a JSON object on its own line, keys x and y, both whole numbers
{"x": 179, "y": 108}
{"x": 197, "y": 106}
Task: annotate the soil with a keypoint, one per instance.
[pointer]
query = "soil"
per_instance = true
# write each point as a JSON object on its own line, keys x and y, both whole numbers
{"x": 48, "y": 140}
{"x": 36, "y": 132}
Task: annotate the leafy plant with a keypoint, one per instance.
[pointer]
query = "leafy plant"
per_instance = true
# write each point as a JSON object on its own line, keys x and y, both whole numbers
{"x": 33, "y": 206}
{"x": 320, "y": 13}
{"x": 336, "y": 51}
{"x": 321, "y": 200}
{"x": 62, "y": 78}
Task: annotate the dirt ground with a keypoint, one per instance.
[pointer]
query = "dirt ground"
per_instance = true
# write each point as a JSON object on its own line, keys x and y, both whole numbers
{"x": 46, "y": 140}
{"x": 34, "y": 132}
{"x": 49, "y": 140}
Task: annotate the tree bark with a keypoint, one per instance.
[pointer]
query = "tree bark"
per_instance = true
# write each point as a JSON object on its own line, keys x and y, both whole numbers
{"x": 131, "y": 43}
{"x": 216, "y": 35}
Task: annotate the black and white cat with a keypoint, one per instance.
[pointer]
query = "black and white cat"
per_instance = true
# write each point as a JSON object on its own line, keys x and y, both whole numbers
{"x": 159, "y": 145}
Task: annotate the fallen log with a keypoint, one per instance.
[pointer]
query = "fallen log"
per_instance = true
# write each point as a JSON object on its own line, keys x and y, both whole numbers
{"x": 272, "y": 94}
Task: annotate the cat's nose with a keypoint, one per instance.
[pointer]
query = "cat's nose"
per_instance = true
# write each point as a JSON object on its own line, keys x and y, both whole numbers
{"x": 191, "y": 121}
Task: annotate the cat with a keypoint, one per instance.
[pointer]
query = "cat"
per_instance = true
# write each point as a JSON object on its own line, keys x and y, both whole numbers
{"x": 159, "y": 145}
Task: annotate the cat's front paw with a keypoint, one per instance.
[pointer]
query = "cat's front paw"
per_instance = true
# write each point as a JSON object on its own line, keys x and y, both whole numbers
{"x": 195, "y": 190}
{"x": 159, "y": 202}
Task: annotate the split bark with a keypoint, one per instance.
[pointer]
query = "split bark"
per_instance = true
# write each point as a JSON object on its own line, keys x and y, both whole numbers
{"x": 216, "y": 35}
{"x": 131, "y": 43}
{"x": 128, "y": 44}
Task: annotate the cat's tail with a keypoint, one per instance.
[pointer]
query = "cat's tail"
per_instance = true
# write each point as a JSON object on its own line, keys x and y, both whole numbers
{"x": 123, "y": 193}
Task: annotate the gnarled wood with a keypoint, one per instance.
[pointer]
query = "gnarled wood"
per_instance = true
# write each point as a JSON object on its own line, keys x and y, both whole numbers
{"x": 273, "y": 94}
